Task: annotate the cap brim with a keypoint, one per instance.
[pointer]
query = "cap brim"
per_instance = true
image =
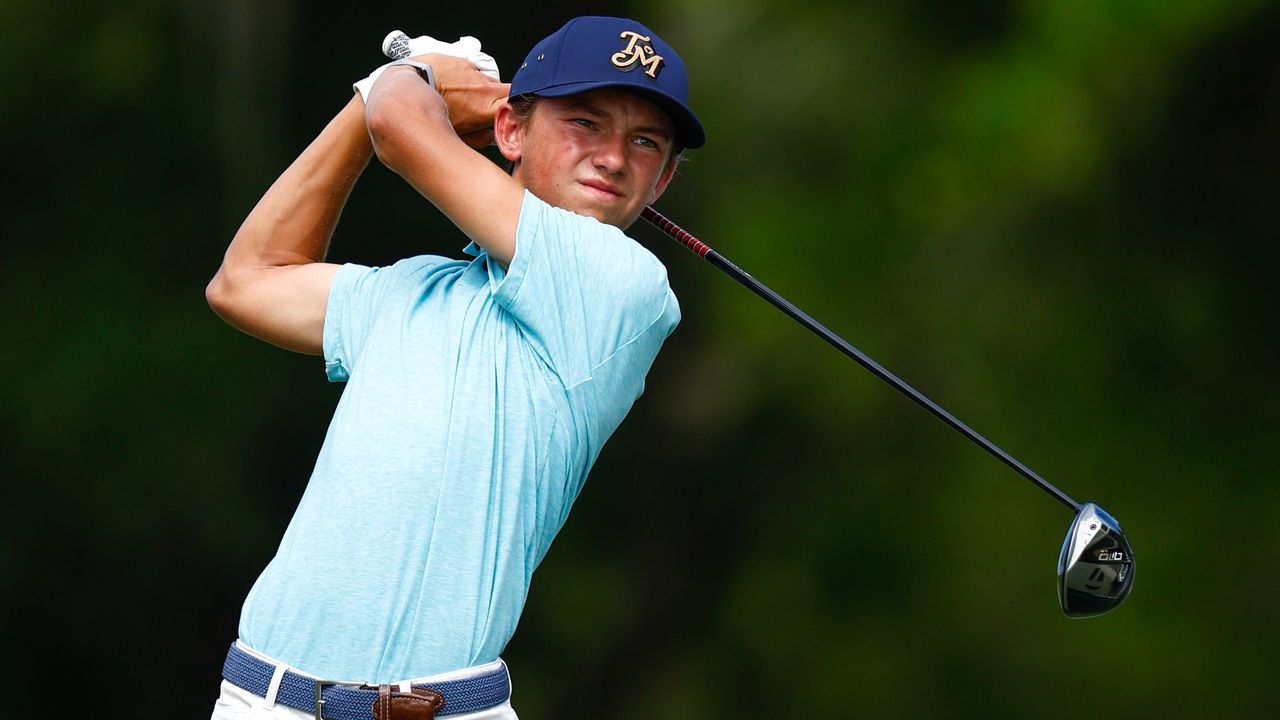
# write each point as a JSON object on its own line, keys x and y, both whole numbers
{"x": 689, "y": 132}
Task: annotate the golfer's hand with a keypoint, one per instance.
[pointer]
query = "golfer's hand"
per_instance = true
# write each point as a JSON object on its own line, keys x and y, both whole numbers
{"x": 473, "y": 97}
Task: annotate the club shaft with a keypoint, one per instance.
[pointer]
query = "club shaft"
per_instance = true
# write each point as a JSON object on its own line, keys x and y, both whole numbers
{"x": 682, "y": 236}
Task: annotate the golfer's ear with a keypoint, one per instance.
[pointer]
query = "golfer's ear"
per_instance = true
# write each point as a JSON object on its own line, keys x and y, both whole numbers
{"x": 508, "y": 132}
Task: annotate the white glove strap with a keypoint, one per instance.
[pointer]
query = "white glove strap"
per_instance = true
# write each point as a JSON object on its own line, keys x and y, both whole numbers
{"x": 424, "y": 70}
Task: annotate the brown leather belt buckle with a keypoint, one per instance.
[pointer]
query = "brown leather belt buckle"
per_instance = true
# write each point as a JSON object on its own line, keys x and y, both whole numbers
{"x": 420, "y": 703}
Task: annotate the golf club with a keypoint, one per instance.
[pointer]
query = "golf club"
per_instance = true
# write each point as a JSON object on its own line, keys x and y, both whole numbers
{"x": 1095, "y": 568}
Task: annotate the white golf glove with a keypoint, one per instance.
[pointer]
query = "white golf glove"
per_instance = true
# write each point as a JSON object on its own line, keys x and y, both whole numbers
{"x": 467, "y": 48}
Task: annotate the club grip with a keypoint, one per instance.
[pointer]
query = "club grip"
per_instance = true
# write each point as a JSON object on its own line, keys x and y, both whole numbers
{"x": 396, "y": 45}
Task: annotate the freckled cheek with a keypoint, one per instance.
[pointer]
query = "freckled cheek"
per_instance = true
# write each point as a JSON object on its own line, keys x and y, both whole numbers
{"x": 568, "y": 141}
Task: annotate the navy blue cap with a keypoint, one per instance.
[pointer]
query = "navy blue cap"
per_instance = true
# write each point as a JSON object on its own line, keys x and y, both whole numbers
{"x": 598, "y": 52}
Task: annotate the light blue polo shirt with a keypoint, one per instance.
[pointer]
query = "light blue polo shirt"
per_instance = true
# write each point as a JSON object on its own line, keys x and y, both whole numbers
{"x": 476, "y": 402}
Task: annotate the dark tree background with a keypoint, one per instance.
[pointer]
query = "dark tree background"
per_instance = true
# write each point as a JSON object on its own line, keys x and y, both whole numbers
{"x": 1051, "y": 217}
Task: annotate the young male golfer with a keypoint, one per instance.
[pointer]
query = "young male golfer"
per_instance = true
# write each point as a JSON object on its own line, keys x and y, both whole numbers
{"x": 479, "y": 392}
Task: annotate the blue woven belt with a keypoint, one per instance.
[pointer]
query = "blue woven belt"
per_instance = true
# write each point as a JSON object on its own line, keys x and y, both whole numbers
{"x": 344, "y": 702}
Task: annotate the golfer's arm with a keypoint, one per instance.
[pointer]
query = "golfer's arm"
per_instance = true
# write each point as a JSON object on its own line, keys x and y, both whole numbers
{"x": 274, "y": 283}
{"x": 409, "y": 125}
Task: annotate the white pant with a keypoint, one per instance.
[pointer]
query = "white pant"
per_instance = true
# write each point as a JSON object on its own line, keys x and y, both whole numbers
{"x": 236, "y": 703}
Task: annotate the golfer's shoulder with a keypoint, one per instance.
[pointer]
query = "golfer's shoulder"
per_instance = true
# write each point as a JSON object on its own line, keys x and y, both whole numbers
{"x": 407, "y": 276}
{"x": 417, "y": 268}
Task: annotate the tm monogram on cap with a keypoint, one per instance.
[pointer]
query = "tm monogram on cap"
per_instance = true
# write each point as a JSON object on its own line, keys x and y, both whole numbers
{"x": 636, "y": 53}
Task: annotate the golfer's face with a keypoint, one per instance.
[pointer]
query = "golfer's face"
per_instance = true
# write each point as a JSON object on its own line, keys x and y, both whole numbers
{"x": 603, "y": 154}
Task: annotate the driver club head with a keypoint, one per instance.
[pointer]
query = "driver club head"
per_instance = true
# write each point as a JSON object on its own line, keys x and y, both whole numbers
{"x": 1095, "y": 570}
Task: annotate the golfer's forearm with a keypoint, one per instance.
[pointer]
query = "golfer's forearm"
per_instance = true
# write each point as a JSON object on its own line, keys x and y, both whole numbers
{"x": 294, "y": 220}
{"x": 410, "y": 125}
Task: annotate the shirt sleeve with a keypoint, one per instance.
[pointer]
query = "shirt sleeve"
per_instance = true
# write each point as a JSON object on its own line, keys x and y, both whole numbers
{"x": 357, "y": 296}
{"x": 584, "y": 292}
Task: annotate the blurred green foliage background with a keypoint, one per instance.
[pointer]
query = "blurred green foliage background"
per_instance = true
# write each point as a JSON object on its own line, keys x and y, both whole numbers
{"x": 1050, "y": 216}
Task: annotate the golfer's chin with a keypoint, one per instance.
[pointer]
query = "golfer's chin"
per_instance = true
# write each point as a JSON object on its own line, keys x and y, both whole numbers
{"x": 620, "y": 220}
{"x": 615, "y": 211}
{"x": 608, "y": 208}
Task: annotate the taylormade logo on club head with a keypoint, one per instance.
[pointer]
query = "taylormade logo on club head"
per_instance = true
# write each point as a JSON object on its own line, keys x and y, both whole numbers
{"x": 1095, "y": 569}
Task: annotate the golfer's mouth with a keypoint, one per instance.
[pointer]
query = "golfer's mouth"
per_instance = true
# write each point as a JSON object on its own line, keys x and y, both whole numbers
{"x": 601, "y": 188}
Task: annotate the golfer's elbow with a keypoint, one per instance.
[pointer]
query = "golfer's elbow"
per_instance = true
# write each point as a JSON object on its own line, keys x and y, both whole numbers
{"x": 221, "y": 293}
{"x": 227, "y": 292}
{"x": 386, "y": 131}
{"x": 403, "y": 130}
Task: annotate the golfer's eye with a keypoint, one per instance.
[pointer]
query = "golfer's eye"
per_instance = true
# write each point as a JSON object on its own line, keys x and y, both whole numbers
{"x": 584, "y": 122}
{"x": 648, "y": 142}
